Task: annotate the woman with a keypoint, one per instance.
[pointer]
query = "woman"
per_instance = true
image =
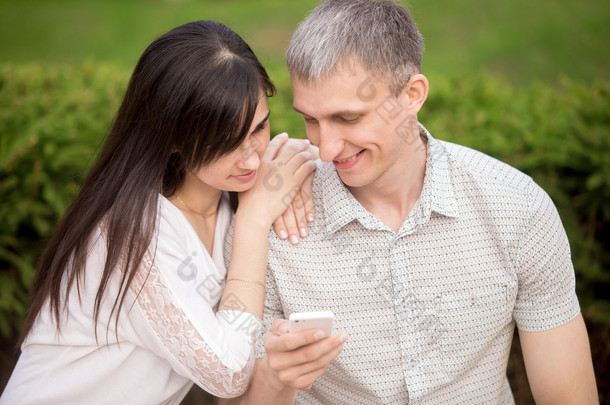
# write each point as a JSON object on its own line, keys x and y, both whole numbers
{"x": 128, "y": 302}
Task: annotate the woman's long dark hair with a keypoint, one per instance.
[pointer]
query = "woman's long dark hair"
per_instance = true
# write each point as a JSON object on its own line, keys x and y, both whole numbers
{"x": 191, "y": 99}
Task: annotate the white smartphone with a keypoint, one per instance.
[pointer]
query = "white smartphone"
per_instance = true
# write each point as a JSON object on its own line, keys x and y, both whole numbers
{"x": 312, "y": 320}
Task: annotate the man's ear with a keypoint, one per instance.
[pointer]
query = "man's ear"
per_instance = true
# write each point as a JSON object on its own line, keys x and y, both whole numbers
{"x": 415, "y": 93}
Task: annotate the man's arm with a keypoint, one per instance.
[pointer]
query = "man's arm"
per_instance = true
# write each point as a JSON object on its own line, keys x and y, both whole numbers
{"x": 293, "y": 361}
{"x": 558, "y": 364}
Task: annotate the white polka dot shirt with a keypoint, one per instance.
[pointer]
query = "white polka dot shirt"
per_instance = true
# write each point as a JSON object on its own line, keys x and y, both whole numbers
{"x": 430, "y": 310}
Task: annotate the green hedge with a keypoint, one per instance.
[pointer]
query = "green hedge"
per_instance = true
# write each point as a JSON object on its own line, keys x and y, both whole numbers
{"x": 53, "y": 119}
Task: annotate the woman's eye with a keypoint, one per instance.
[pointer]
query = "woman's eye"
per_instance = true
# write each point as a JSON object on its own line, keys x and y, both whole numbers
{"x": 261, "y": 127}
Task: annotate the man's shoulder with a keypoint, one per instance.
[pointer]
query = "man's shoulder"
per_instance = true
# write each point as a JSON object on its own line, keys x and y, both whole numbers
{"x": 326, "y": 182}
{"x": 324, "y": 172}
{"x": 470, "y": 165}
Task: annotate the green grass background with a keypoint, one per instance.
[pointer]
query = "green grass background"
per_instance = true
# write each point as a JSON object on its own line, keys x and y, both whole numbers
{"x": 522, "y": 40}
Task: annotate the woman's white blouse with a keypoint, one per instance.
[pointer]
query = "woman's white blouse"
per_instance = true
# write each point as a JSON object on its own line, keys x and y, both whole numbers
{"x": 169, "y": 332}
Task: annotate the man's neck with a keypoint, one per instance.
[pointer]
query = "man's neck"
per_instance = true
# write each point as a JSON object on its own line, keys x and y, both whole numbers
{"x": 392, "y": 197}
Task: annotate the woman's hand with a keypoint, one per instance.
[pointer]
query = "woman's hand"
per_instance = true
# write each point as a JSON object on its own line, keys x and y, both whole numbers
{"x": 285, "y": 165}
{"x": 293, "y": 222}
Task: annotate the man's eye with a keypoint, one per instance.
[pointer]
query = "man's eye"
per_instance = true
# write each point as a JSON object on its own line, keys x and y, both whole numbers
{"x": 310, "y": 120}
{"x": 350, "y": 120}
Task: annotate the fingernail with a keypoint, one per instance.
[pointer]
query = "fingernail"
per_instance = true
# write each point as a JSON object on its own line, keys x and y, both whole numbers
{"x": 310, "y": 217}
{"x": 303, "y": 232}
{"x": 284, "y": 134}
{"x": 319, "y": 335}
{"x": 294, "y": 239}
{"x": 283, "y": 234}
{"x": 343, "y": 338}
{"x": 282, "y": 328}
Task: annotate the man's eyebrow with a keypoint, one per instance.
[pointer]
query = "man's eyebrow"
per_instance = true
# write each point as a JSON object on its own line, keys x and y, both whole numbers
{"x": 347, "y": 112}
{"x": 335, "y": 114}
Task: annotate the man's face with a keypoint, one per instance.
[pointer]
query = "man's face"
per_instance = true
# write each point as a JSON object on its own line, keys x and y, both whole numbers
{"x": 364, "y": 129}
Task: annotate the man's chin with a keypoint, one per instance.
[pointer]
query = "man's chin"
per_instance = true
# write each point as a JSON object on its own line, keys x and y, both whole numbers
{"x": 352, "y": 180}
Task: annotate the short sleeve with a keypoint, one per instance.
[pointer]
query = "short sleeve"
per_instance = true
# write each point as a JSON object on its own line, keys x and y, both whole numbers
{"x": 546, "y": 297}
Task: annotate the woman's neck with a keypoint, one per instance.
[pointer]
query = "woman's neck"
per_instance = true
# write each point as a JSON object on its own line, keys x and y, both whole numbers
{"x": 196, "y": 197}
{"x": 199, "y": 203}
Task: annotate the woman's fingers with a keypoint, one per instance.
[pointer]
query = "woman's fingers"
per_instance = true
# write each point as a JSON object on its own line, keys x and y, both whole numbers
{"x": 280, "y": 228}
{"x": 275, "y": 145}
{"x": 298, "y": 161}
{"x": 292, "y": 226}
{"x": 290, "y": 148}
{"x": 300, "y": 210}
{"x": 298, "y": 207}
{"x": 307, "y": 197}
{"x": 285, "y": 165}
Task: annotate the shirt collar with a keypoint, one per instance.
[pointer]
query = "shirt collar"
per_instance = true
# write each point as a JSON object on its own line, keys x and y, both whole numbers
{"x": 437, "y": 196}
{"x": 438, "y": 181}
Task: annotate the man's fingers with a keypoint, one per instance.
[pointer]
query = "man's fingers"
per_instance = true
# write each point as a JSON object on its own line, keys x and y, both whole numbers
{"x": 279, "y": 327}
{"x": 302, "y": 376}
{"x": 294, "y": 349}
{"x": 291, "y": 341}
{"x": 313, "y": 366}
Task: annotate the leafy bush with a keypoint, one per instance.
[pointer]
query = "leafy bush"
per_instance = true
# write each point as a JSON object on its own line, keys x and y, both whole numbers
{"x": 51, "y": 123}
{"x": 53, "y": 119}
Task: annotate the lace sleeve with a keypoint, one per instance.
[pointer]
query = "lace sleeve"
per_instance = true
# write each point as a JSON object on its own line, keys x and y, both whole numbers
{"x": 181, "y": 339}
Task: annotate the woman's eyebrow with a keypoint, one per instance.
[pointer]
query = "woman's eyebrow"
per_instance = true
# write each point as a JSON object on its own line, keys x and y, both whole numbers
{"x": 262, "y": 123}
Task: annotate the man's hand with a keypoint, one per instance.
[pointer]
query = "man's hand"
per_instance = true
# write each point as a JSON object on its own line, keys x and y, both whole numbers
{"x": 298, "y": 359}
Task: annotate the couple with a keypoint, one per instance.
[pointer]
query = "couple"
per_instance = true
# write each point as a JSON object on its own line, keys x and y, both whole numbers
{"x": 427, "y": 252}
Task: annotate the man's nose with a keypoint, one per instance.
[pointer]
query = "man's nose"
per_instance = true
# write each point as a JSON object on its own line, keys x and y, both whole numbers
{"x": 330, "y": 144}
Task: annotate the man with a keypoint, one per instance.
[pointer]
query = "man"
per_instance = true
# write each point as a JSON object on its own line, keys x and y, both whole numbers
{"x": 428, "y": 253}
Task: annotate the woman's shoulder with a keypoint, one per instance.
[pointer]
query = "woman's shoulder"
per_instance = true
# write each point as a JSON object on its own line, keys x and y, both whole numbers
{"x": 172, "y": 229}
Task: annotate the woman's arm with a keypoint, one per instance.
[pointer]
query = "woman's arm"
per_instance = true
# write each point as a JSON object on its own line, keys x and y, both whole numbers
{"x": 293, "y": 223}
{"x": 177, "y": 294}
{"x": 284, "y": 167}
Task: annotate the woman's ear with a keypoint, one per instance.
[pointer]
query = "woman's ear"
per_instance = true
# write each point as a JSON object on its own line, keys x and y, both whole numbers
{"x": 415, "y": 92}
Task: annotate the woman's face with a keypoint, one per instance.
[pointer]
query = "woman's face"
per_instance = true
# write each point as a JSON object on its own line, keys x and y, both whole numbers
{"x": 237, "y": 170}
